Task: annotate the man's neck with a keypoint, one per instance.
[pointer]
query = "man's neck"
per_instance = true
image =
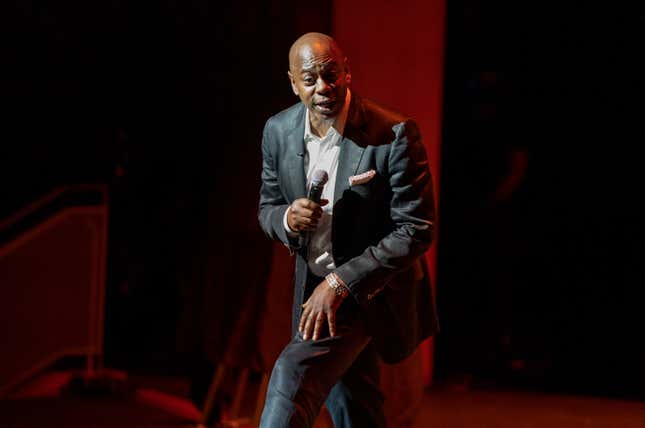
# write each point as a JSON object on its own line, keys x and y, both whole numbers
{"x": 320, "y": 126}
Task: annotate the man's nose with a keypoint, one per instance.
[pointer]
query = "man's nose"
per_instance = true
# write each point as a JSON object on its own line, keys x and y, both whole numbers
{"x": 322, "y": 86}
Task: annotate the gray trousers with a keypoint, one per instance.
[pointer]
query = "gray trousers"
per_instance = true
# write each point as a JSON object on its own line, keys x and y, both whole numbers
{"x": 341, "y": 371}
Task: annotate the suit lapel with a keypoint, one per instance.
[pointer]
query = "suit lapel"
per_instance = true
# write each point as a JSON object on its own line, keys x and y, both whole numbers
{"x": 352, "y": 147}
{"x": 294, "y": 160}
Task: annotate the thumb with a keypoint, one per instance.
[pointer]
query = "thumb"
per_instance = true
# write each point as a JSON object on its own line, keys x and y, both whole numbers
{"x": 324, "y": 202}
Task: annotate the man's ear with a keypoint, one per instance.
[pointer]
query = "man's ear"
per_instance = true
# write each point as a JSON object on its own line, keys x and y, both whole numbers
{"x": 348, "y": 72}
{"x": 294, "y": 88}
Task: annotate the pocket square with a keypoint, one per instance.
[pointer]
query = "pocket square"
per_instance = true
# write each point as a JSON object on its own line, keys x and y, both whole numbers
{"x": 362, "y": 178}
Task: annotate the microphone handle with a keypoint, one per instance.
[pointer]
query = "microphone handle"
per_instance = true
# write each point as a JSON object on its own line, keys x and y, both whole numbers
{"x": 315, "y": 192}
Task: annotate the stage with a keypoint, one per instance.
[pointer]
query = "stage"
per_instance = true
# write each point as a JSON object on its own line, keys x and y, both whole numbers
{"x": 158, "y": 403}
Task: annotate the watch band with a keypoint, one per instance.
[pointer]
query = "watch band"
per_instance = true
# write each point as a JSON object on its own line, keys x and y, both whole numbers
{"x": 338, "y": 288}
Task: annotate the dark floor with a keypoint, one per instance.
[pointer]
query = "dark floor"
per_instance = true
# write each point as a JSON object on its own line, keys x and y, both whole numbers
{"x": 515, "y": 409}
{"x": 444, "y": 407}
{"x": 92, "y": 412}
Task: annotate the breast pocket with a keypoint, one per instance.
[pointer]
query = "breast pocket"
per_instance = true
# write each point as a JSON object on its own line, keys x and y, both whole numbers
{"x": 374, "y": 192}
{"x": 362, "y": 190}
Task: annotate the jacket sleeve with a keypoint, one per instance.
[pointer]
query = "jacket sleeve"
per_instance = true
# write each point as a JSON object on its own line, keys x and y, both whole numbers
{"x": 273, "y": 205}
{"x": 411, "y": 211}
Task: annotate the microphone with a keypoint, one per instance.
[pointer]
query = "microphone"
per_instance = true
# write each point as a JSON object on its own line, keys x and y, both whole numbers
{"x": 318, "y": 180}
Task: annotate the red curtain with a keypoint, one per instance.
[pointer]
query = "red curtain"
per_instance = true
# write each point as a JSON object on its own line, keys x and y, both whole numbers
{"x": 396, "y": 53}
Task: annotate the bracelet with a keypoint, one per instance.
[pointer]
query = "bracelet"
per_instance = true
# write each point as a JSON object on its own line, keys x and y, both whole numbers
{"x": 338, "y": 288}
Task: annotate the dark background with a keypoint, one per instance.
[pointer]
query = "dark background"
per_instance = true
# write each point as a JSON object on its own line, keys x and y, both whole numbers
{"x": 165, "y": 102}
{"x": 545, "y": 287}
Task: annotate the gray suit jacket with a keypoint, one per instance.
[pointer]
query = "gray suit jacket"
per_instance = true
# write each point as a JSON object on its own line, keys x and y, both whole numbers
{"x": 380, "y": 229}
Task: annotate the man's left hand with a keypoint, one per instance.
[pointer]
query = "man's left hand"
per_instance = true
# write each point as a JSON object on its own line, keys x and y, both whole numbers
{"x": 321, "y": 306}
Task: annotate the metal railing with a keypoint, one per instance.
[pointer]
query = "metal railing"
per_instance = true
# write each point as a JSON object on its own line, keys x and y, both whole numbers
{"x": 53, "y": 256}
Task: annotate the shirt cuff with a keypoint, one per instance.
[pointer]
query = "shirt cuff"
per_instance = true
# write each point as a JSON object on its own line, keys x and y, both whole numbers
{"x": 290, "y": 232}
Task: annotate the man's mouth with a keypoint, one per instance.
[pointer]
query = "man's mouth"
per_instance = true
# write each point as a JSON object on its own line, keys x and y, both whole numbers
{"x": 325, "y": 105}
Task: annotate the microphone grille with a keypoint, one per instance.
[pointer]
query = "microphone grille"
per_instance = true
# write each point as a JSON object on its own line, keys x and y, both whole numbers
{"x": 319, "y": 177}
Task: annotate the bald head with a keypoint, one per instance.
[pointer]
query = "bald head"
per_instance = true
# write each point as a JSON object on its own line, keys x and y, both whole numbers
{"x": 311, "y": 45}
{"x": 319, "y": 75}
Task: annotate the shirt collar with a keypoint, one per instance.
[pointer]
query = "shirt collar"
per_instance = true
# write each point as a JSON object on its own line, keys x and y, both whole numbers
{"x": 339, "y": 122}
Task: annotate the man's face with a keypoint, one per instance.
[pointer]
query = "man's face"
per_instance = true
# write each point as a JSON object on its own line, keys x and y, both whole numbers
{"x": 320, "y": 77}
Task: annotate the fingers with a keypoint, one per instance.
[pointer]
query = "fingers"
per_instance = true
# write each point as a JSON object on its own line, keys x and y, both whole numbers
{"x": 309, "y": 325}
{"x": 331, "y": 321}
{"x": 304, "y": 214}
{"x": 318, "y": 309}
{"x": 303, "y": 318}
{"x": 316, "y": 321}
{"x": 320, "y": 321}
{"x": 308, "y": 213}
{"x": 307, "y": 208}
{"x": 306, "y": 204}
{"x": 307, "y": 222}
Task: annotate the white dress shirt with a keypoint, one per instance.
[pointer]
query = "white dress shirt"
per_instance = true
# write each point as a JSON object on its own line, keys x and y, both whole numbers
{"x": 322, "y": 153}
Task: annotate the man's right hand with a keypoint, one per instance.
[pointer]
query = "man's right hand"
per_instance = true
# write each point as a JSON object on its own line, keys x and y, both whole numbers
{"x": 304, "y": 214}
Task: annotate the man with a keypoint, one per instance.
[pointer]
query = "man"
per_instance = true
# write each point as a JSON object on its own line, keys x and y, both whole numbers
{"x": 361, "y": 284}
